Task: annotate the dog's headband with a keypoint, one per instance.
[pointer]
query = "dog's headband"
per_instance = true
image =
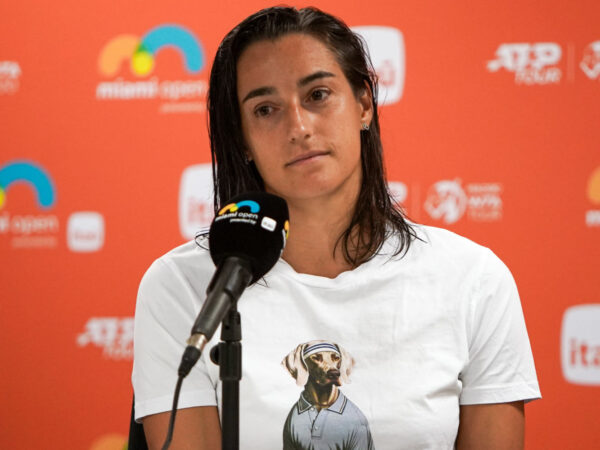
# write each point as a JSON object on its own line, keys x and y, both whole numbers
{"x": 321, "y": 347}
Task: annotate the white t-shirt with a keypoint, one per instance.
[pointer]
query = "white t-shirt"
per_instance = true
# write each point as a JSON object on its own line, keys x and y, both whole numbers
{"x": 413, "y": 338}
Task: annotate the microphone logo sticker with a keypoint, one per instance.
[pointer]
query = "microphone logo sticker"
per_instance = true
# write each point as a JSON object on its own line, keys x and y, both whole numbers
{"x": 233, "y": 212}
{"x": 233, "y": 207}
{"x": 268, "y": 224}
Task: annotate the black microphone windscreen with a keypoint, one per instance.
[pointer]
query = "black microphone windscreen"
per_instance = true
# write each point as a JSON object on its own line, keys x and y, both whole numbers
{"x": 253, "y": 226}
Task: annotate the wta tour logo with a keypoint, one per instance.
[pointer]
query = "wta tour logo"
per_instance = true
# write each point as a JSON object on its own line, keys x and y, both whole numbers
{"x": 139, "y": 55}
{"x": 590, "y": 63}
{"x": 448, "y": 201}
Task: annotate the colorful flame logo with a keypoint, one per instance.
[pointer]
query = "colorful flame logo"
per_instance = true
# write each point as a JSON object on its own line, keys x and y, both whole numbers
{"x": 141, "y": 52}
{"x": 32, "y": 174}
{"x": 233, "y": 207}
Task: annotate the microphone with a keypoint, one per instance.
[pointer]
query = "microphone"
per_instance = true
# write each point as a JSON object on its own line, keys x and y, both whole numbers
{"x": 246, "y": 239}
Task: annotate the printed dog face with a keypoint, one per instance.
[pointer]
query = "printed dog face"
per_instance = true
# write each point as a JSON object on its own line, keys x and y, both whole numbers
{"x": 320, "y": 362}
{"x": 324, "y": 368}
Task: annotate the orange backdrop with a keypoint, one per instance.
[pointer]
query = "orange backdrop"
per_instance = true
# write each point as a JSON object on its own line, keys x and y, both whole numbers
{"x": 490, "y": 128}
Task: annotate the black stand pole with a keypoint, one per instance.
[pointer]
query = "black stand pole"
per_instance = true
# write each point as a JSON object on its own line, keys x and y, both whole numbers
{"x": 228, "y": 355}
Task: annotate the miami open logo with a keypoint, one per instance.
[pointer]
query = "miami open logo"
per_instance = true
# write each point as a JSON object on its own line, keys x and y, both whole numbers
{"x": 28, "y": 230}
{"x": 131, "y": 60}
{"x": 233, "y": 207}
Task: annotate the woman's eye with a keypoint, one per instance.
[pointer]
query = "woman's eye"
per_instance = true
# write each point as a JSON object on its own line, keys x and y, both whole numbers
{"x": 319, "y": 94}
{"x": 263, "y": 111}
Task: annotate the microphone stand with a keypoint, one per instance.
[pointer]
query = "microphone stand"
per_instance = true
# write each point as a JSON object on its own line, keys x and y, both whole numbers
{"x": 228, "y": 355}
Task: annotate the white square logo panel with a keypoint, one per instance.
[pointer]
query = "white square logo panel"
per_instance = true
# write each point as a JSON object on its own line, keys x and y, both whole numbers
{"x": 85, "y": 231}
{"x": 386, "y": 48}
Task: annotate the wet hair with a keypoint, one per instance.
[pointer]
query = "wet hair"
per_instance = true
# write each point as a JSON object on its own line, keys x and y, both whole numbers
{"x": 375, "y": 216}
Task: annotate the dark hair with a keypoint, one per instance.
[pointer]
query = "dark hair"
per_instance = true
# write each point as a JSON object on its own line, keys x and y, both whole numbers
{"x": 375, "y": 217}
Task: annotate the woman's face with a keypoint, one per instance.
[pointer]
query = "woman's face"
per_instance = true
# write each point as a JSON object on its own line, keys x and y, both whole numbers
{"x": 300, "y": 118}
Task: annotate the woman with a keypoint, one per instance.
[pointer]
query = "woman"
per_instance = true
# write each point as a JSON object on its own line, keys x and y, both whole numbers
{"x": 426, "y": 324}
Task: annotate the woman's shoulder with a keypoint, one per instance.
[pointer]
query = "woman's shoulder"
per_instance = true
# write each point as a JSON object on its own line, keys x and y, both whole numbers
{"x": 443, "y": 241}
{"x": 440, "y": 247}
{"x": 189, "y": 260}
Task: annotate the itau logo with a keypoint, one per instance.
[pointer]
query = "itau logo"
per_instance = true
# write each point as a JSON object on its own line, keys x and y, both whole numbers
{"x": 386, "y": 49}
{"x": 114, "y": 335}
{"x": 448, "y": 201}
{"x": 85, "y": 232}
{"x": 590, "y": 63}
{"x": 580, "y": 344}
{"x": 592, "y": 216}
{"x": 10, "y": 74}
{"x": 139, "y": 55}
{"x": 196, "y": 208}
{"x": 532, "y": 64}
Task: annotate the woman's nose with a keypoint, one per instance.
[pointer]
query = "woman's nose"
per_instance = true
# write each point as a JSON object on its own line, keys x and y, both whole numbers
{"x": 299, "y": 123}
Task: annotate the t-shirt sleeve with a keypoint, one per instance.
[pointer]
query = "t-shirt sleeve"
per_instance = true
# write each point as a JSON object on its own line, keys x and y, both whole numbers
{"x": 500, "y": 365}
{"x": 165, "y": 311}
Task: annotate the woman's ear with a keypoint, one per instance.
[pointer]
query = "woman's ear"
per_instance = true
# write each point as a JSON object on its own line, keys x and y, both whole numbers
{"x": 365, "y": 99}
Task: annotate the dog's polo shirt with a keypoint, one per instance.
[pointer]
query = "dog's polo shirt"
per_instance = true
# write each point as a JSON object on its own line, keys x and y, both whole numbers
{"x": 342, "y": 423}
{"x": 437, "y": 328}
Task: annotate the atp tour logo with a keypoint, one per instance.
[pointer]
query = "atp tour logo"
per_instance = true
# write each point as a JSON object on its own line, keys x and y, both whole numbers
{"x": 10, "y": 73}
{"x": 114, "y": 335}
{"x": 590, "y": 63}
{"x": 592, "y": 216}
{"x": 448, "y": 201}
{"x": 140, "y": 55}
{"x": 532, "y": 64}
{"x": 28, "y": 230}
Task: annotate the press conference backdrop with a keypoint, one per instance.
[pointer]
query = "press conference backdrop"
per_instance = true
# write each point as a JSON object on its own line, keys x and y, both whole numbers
{"x": 490, "y": 116}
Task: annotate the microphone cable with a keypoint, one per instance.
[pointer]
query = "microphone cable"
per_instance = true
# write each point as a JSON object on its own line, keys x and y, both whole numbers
{"x": 169, "y": 436}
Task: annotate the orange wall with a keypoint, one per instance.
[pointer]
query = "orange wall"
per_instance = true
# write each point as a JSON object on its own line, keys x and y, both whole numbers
{"x": 518, "y": 147}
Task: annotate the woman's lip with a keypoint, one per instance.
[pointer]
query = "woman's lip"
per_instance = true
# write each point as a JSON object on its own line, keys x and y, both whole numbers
{"x": 307, "y": 156}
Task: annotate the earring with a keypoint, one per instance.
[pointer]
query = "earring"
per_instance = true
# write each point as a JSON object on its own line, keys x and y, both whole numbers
{"x": 246, "y": 159}
{"x": 365, "y": 126}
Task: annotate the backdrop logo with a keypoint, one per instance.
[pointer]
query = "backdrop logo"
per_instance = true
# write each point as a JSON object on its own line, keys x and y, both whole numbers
{"x": 32, "y": 174}
{"x": 196, "y": 210}
{"x": 580, "y": 344}
{"x": 448, "y": 201}
{"x": 140, "y": 55}
{"x": 140, "y": 52}
{"x": 592, "y": 216}
{"x": 85, "y": 231}
{"x": 386, "y": 48}
{"x": 28, "y": 230}
{"x": 10, "y": 73}
{"x": 398, "y": 191}
{"x": 590, "y": 63}
{"x": 531, "y": 63}
{"x": 114, "y": 335}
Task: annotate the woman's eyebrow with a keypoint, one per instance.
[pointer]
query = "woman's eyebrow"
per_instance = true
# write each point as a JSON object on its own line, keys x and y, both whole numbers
{"x": 265, "y": 90}
{"x": 268, "y": 90}
{"x": 314, "y": 76}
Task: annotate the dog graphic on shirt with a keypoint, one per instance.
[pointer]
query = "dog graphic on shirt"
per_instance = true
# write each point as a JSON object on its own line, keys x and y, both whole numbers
{"x": 323, "y": 418}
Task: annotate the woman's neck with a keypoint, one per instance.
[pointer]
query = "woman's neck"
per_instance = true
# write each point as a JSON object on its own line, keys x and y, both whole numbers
{"x": 315, "y": 229}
